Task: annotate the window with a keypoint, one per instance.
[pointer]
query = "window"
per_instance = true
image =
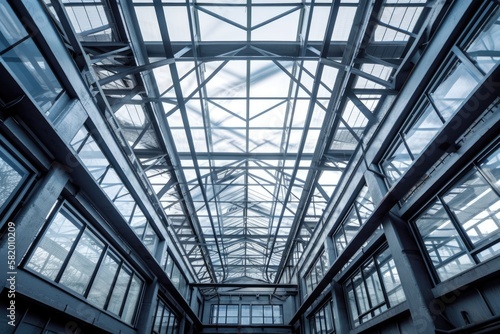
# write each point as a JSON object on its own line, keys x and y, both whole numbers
{"x": 266, "y": 314}
{"x": 250, "y": 314}
{"x": 13, "y": 177}
{"x": 316, "y": 273}
{"x": 374, "y": 288}
{"x": 462, "y": 74}
{"x": 174, "y": 273}
{"x": 105, "y": 175}
{"x": 23, "y": 57}
{"x": 460, "y": 227}
{"x": 484, "y": 49}
{"x": 165, "y": 321}
{"x": 70, "y": 254}
{"x": 322, "y": 320}
{"x": 225, "y": 314}
{"x": 359, "y": 212}
{"x": 454, "y": 89}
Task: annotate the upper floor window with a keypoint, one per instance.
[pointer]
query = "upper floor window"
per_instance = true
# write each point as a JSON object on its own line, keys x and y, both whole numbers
{"x": 464, "y": 70}
{"x": 316, "y": 272}
{"x": 24, "y": 59}
{"x": 460, "y": 227}
{"x": 359, "y": 212}
{"x": 174, "y": 273}
{"x": 71, "y": 254}
{"x": 111, "y": 183}
{"x": 374, "y": 288}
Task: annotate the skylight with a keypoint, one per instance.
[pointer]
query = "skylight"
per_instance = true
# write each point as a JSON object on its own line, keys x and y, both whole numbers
{"x": 245, "y": 114}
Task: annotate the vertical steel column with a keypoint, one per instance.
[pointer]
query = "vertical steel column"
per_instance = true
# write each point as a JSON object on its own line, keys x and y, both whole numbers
{"x": 415, "y": 279}
{"x": 148, "y": 307}
{"x": 340, "y": 313}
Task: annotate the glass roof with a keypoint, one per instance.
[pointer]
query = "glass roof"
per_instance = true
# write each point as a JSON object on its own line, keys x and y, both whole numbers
{"x": 244, "y": 114}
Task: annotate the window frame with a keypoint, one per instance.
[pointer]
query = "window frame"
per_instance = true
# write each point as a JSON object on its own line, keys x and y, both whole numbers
{"x": 456, "y": 57}
{"x": 374, "y": 310}
{"x": 84, "y": 226}
{"x": 28, "y": 175}
{"x": 471, "y": 248}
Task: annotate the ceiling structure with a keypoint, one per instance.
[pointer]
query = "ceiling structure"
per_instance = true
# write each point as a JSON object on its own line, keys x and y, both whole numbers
{"x": 244, "y": 114}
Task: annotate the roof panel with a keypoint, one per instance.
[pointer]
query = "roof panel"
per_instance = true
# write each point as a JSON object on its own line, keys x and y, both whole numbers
{"x": 234, "y": 125}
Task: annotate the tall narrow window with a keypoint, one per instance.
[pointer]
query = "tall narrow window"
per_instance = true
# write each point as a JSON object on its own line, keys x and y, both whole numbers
{"x": 12, "y": 178}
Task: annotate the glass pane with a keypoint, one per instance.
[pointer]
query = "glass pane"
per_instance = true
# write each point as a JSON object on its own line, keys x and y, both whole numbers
{"x": 390, "y": 278}
{"x": 397, "y": 163}
{"x": 352, "y": 304}
{"x": 329, "y": 317}
{"x": 119, "y": 290}
{"x": 444, "y": 246}
{"x": 93, "y": 158}
{"x": 277, "y": 314}
{"x": 374, "y": 286}
{"x": 257, "y": 314}
{"x": 360, "y": 291}
{"x": 133, "y": 295}
{"x": 150, "y": 239}
{"x": 215, "y": 313}
{"x": 31, "y": 69}
{"x": 489, "y": 252}
{"x": 351, "y": 225}
{"x": 485, "y": 49}
{"x": 490, "y": 166}
{"x": 11, "y": 29}
{"x": 454, "y": 90}
{"x": 165, "y": 321}
{"x": 82, "y": 263}
{"x": 49, "y": 255}
{"x": 245, "y": 314}
{"x": 476, "y": 206}
{"x": 423, "y": 130}
{"x": 158, "y": 317}
{"x": 364, "y": 204}
{"x": 339, "y": 240}
{"x": 11, "y": 177}
{"x": 268, "y": 314}
{"x": 138, "y": 222}
{"x": 102, "y": 283}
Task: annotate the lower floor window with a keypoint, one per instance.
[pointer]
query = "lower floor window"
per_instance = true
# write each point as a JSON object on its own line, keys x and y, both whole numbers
{"x": 165, "y": 321}
{"x": 70, "y": 254}
{"x": 374, "y": 288}
{"x": 322, "y": 320}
